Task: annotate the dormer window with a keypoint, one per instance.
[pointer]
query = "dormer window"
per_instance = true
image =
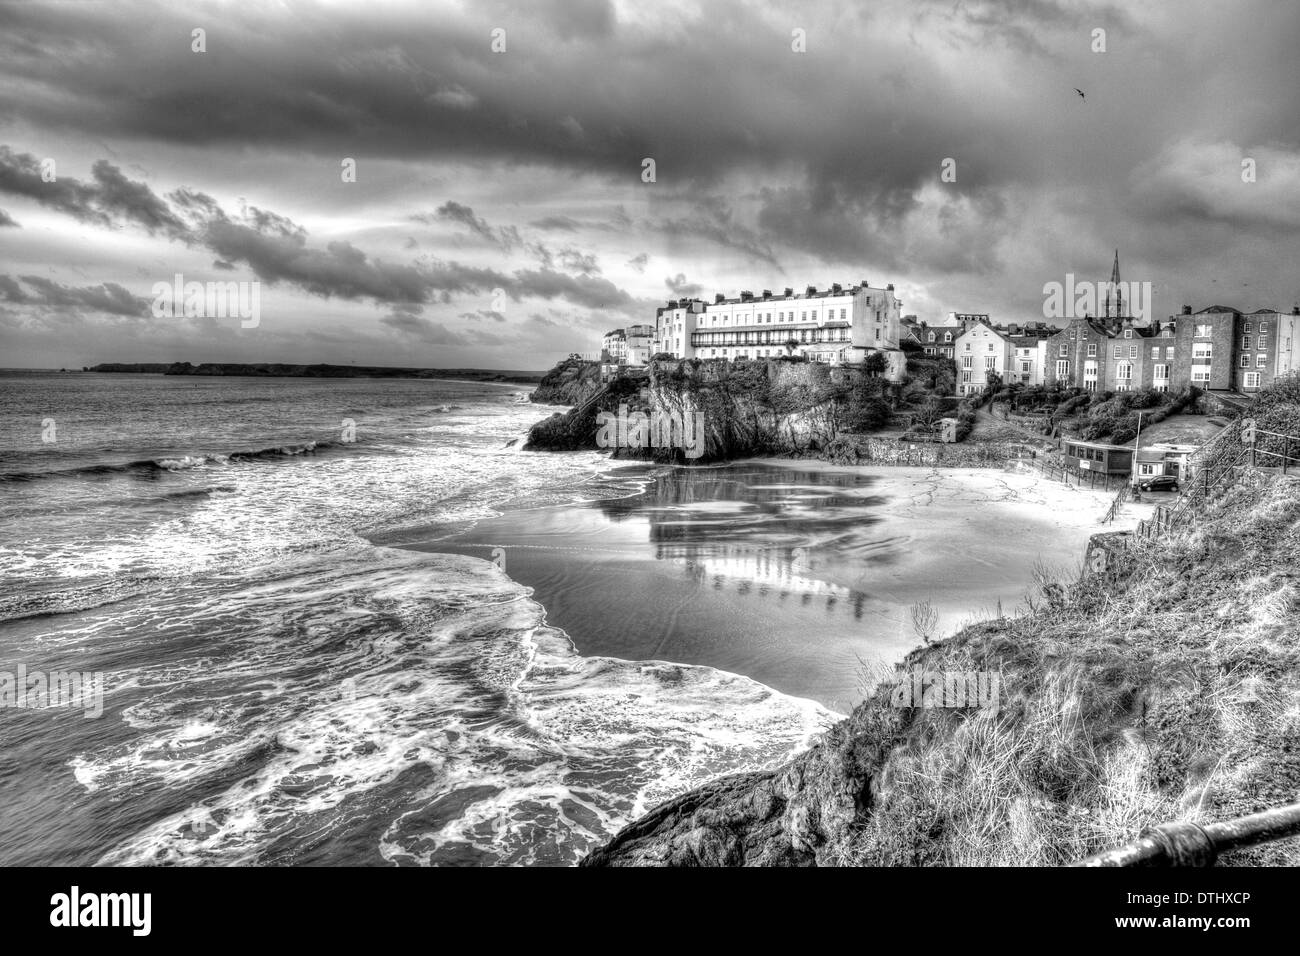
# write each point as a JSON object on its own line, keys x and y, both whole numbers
{"x": 947, "y": 336}
{"x": 1128, "y": 333}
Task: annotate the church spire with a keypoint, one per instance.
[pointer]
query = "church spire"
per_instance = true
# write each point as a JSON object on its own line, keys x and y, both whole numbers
{"x": 1114, "y": 287}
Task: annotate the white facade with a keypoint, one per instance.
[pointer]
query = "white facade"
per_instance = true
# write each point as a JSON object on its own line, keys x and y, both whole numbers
{"x": 836, "y": 326}
{"x": 1028, "y": 360}
{"x": 1288, "y": 345}
{"x": 631, "y": 346}
{"x": 982, "y": 349}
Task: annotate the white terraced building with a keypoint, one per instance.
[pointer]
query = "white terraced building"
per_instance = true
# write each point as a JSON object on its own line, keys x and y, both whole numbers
{"x": 840, "y": 325}
{"x": 630, "y": 346}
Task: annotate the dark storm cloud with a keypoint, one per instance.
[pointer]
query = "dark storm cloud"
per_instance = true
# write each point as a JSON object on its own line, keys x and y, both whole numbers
{"x": 590, "y": 291}
{"x": 111, "y": 199}
{"x": 775, "y": 158}
{"x": 109, "y": 297}
{"x": 555, "y": 223}
{"x": 452, "y": 211}
{"x": 577, "y": 261}
{"x": 679, "y": 287}
{"x": 277, "y": 249}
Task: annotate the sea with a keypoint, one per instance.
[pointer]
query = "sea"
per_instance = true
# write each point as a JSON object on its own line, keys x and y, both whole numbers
{"x": 278, "y": 689}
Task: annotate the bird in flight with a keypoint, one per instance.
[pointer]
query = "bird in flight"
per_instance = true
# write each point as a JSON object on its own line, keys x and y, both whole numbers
{"x": 1080, "y": 92}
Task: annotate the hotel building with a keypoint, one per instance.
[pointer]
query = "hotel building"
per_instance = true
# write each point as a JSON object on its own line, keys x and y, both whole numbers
{"x": 840, "y": 325}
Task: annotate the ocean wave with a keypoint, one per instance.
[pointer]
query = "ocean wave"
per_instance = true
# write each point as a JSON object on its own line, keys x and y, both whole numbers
{"x": 418, "y": 704}
{"x": 155, "y": 466}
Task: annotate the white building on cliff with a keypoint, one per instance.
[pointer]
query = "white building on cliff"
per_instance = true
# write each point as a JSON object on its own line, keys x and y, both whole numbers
{"x": 838, "y": 326}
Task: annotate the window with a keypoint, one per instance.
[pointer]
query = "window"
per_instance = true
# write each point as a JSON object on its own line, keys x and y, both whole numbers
{"x": 1119, "y": 350}
{"x": 1202, "y": 351}
{"x": 1200, "y": 374}
{"x": 1261, "y": 361}
{"x": 1155, "y": 351}
{"x": 844, "y": 314}
{"x": 1132, "y": 351}
{"x": 1245, "y": 341}
{"x": 1062, "y": 369}
{"x": 1026, "y": 366}
{"x": 1246, "y": 327}
{"x": 1161, "y": 373}
{"x": 965, "y": 361}
{"x": 1251, "y": 380}
{"x": 990, "y": 346}
{"x": 990, "y": 361}
{"x": 947, "y": 336}
{"x": 1169, "y": 351}
{"x": 1092, "y": 349}
{"x": 1204, "y": 331}
{"x": 805, "y": 317}
{"x": 931, "y": 336}
{"x": 965, "y": 376}
{"x": 1124, "y": 371}
{"x": 1064, "y": 350}
{"x": 1128, "y": 333}
{"x": 1245, "y": 361}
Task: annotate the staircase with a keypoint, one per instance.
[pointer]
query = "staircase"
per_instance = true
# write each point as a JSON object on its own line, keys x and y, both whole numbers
{"x": 1217, "y": 465}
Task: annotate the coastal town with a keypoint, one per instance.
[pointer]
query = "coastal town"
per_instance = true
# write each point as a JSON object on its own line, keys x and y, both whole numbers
{"x": 1223, "y": 355}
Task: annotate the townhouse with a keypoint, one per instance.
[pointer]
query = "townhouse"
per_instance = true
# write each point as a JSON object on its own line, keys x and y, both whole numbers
{"x": 838, "y": 325}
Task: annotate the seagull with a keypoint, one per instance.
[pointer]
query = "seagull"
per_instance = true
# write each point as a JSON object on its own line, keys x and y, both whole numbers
{"x": 1080, "y": 92}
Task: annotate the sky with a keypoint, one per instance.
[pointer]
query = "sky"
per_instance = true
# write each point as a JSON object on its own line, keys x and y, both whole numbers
{"x": 500, "y": 214}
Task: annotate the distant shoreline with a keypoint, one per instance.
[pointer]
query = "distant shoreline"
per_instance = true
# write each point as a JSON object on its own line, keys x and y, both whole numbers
{"x": 280, "y": 370}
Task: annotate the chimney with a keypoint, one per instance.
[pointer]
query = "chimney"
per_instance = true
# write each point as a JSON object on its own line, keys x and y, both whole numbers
{"x": 864, "y": 283}
{"x": 1187, "y": 310}
{"x": 890, "y": 287}
{"x": 717, "y": 300}
{"x": 746, "y": 295}
{"x": 811, "y": 290}
{"x": 788, "y": 292}
{"x": 836, "y": 287}
{"x": 1295, "y": 310}
{"x": 767, "y": 293}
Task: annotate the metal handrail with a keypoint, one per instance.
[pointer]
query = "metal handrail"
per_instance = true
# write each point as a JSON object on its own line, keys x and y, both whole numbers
{"x": 1190, "y": 844}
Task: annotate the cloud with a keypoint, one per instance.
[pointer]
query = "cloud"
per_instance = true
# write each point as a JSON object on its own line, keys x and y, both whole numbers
{"x": 680, "y": 288}
{"x": 554, "y": 223}
{"x": 8, "y": 220}
{"x": 638, "y": 262}
{"x": 108, "y": 297}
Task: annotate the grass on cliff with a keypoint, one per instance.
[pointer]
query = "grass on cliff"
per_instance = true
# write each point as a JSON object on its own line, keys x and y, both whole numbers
{"x": 1166, "y": 689}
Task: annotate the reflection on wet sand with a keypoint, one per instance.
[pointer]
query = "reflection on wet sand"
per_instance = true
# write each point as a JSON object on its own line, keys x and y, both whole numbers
{"x": 792, "y": 574}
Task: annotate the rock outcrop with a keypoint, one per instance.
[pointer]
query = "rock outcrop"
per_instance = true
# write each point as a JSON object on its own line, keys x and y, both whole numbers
{"x": 570, "y": 382}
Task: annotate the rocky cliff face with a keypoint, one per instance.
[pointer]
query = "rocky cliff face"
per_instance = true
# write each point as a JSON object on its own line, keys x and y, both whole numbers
{"x": 739, "y": 409}
{"x": 571, "y": 382}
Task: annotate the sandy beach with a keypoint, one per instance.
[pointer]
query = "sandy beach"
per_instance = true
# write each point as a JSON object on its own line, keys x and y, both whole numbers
{"x": 788, "y": 572}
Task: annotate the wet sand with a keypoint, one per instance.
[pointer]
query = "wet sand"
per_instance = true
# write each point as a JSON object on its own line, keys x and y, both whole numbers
{"x": 790, "y": 573}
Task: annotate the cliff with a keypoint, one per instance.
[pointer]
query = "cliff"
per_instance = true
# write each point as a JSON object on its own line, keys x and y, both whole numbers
{"x": 740, "y": 408}
{"x": 570, "y": 382}
{"x": 1163, "y": 687}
